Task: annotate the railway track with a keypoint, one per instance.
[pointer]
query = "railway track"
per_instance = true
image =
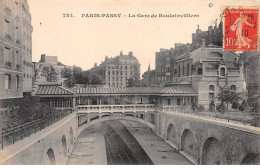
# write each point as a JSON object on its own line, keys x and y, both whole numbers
{"x": 117, "y": 151}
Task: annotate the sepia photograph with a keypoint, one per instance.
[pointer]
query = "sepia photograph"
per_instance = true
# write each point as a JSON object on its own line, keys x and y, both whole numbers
{"x": 129, "y": 82}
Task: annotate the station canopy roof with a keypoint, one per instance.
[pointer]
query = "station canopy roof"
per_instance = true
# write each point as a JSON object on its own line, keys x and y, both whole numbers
{"x": 161, "y": 91}
{"x": 53, "y": 90}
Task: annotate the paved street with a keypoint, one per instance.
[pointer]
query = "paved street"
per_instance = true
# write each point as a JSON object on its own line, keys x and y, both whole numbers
{"x": 119, "y": 143}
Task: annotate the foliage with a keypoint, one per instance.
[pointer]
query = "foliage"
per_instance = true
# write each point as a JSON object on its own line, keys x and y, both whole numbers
{"x": 221, "y": 108}
{"x": 49, "y": 73}
{"x": 133, "y": 83}
{"x": 245, "y": 104}
{"x": 235, "y": 105}
{"x": 212, "y": 106}
{"x": 226, "y": 95}
{"x": 68, "y": 74}
{"x": 90, "y": 77}
{"x": 194, "y": 106}
{"x": 242, "y": 107}
{"x": 201, "y": 108}
{"x": 149, "y": 78}
{"x": 28, "y": 109}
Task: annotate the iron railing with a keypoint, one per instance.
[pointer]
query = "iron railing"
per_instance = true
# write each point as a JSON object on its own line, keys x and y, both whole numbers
{"x": 115, "y": 108}
{"x": 12, "y": 135}
{"x": 245, "y": 118}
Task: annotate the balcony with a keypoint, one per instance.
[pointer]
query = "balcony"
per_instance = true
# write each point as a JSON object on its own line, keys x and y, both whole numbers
{"x": 116, "y": 108}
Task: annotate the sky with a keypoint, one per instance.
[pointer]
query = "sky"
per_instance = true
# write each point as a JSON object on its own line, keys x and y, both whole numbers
{"x": 83, "y": 41}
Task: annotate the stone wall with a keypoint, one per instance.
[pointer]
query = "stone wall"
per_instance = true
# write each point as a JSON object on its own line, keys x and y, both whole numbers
{"x": 209, "y": 142}
{"x": 52, "y": 145}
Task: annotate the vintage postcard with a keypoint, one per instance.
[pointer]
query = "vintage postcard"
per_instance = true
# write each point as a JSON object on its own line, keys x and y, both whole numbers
{"x": 123, "y": 82}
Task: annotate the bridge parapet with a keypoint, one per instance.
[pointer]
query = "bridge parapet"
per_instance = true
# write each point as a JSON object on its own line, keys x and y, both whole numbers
{"x": 116, "y": 108}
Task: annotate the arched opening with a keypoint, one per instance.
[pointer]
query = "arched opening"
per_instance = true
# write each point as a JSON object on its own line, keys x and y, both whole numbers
{"x": 200, "y": 71}
{"x": 71, "y": 136}
{"x": 129, "y": 115}
{"x": 51, "y": 157}
{"x": 106, "y": 115}
{"x": 94, "y": 118}
{"x": 64, "y": 145}
{"x": 222, "y": 72}
{"x": 211, "y": 88}
{"x": 212, "y": 152}
{"x": 187, "y": 142}
{"x": 233, "y": 88}
{"x": 251, "y": 159}
{"x": 171, "y": 133}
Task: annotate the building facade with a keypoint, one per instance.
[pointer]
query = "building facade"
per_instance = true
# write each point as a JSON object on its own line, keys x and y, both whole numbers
{"x": 165, "y": 62}
{"x": 27, "y": 30}
{"x": 207, "y": 69}
{"x": 13, "y": 44}
{"x": 116, "y": 71}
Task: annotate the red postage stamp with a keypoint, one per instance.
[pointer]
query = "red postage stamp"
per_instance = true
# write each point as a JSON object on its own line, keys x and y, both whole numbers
{"x": 241, "y": 29}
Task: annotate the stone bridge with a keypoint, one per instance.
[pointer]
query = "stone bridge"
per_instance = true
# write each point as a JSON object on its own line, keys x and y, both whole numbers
{"x": 201, "y": 140}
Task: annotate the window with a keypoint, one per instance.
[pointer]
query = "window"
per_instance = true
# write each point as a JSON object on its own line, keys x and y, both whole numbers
{"x": 7, "y": 54}
{"x": 178, "y": 102}
{"x": 125, "y": 72}
{"x": 125, "y": 67}
{"x": 200, "y": 72}
{"x": 233, "y": 87}
{"x": 222, "y": 72}
{"x": 7, "y": 81}
{"x": 168, "y": 102}
{"x": 17, "y": 82}
{"x": 113, "y": 72}
{"x": 121, "y": 72}
{"x": 116, "y": 72}
{"x": 211, "y": 87}
{"x": 108, "y": 72}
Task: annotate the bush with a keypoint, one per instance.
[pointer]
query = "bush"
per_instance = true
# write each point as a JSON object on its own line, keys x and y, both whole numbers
{"x": 245, "y": 104}
{"x": 194, "y": 106}
{"x": 201, "y": 108}
{"x": 212, "y": 106}
{"x": 242, "y": 107}
{"x": 235, "y": 105}
{"x": 221, "y": 108}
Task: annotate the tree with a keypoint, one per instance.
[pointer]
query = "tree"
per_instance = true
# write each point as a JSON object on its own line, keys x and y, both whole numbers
{"x": 148, "y": 78}
{"x": 49, "y": 73}
{"x": 68, "y": 74}
{"x": 133, "y": 82}
{"x": 226, "y": 95}
{"x": 221, "y": 108}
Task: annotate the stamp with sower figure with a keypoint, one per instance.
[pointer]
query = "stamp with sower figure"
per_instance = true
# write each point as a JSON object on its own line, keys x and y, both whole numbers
{"x": 241, "y": 29}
